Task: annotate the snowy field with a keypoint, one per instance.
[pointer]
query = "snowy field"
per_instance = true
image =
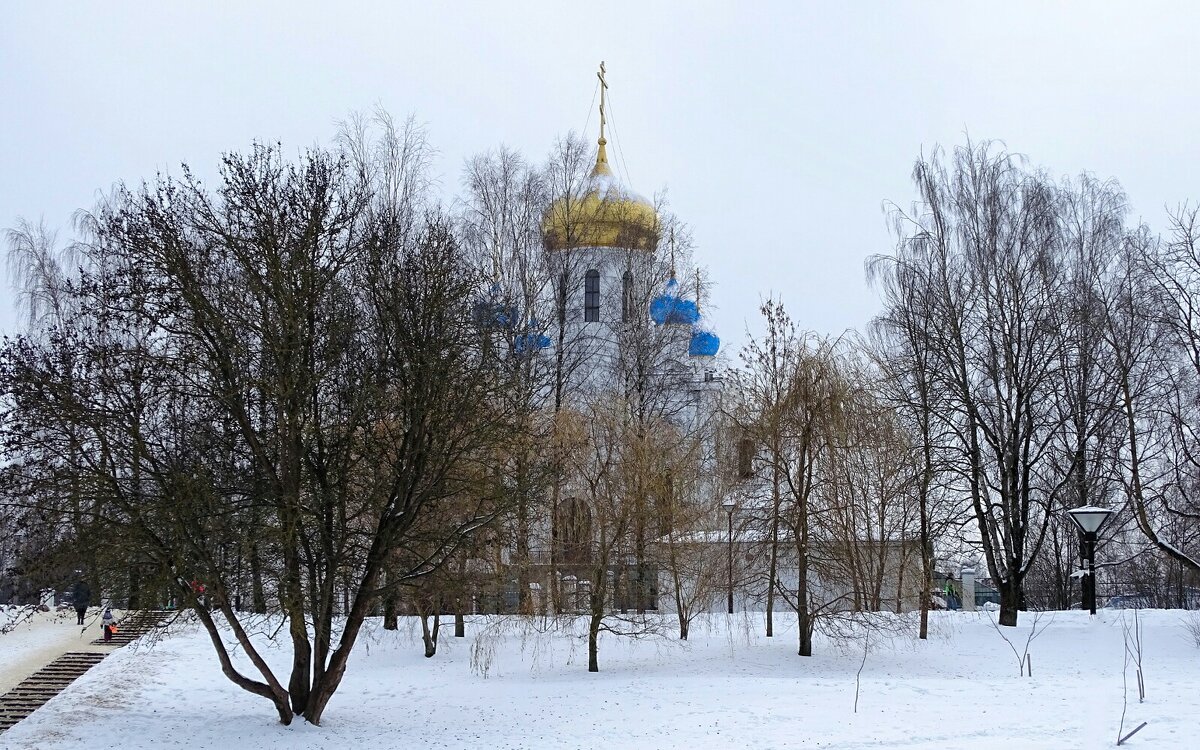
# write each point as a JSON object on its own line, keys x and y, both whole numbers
{"x": 727, "y": 687}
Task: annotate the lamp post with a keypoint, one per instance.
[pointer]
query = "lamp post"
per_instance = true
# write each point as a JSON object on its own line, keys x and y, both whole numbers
{"x": 1089, "y": 519}
{"x": 728, "y": 507}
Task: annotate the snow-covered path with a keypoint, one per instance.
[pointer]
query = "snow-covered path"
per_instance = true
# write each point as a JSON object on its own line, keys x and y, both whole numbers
{"x": 725, "y": 688}
{"x": 38, "y": 640}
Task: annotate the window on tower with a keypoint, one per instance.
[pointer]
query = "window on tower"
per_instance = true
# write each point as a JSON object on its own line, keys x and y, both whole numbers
{"x": 746, "y": 455}
{"x": 591, "y": 296}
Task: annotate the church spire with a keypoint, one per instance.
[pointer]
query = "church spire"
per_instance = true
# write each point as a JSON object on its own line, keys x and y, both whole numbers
{"x": 601, "y": 167}
{"x": 672, "y": 252}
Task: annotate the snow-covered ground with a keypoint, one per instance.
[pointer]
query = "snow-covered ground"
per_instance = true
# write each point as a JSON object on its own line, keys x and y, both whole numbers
{"x": 727, "y": 687}
{"x": 38, "y": 638}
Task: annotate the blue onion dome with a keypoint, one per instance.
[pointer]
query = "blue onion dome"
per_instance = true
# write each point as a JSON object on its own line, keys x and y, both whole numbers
{"x": 505, "y": 316}
{"x": 685, "y": 313}
{"x": 671, "y": 309}
{"x": 662, "y": 305}
{"x": 703, "y": 344}
{"x": 491, "y": 313}
{"x": 532, "y": 340}
{"x": 660, "y": 309}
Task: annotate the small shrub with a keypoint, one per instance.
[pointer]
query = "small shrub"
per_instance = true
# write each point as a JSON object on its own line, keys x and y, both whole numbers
{"x": 1191, "y": 622}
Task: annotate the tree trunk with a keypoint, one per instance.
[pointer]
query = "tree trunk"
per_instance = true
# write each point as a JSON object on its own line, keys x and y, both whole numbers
{"x": 596, "y": 601}
{"x": 524, "y": 593}
{"x": 594, "y": 642}
{"x": 391, "y": 619}
{"x": 460, "y": 622}
{"x": 804, "y": 621}
{"x": 804, "y": 618}
{"x": 331, "y": 676}
{"x": 258, "y": 592}
{"x": 1010, "y": 597}
{"x": 300, "y": 682}
{"x": 681, "y": 607}
{"x": 437, "y": 627}
{"x": 774, "y": 561}
{"x": 429, "y": 634}
{"x": 926, "y": 551}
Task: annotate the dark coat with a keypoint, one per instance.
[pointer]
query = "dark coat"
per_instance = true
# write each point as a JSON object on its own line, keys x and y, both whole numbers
{"x": 81, "y": 595}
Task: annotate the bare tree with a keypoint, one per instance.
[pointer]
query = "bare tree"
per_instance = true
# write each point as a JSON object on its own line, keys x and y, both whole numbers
{"x": 985, "y": 248}
{"x": 602, "y": 451}
{"x": 1150, "y": 327}
{"x": 690, "y": 552}
{"x": 788, "y": 395}
{"x": 294, "y": 351}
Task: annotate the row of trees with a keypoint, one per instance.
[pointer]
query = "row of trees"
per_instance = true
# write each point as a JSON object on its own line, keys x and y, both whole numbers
{"x": 1042, "y": 352}
{"x": 312, "y": 393}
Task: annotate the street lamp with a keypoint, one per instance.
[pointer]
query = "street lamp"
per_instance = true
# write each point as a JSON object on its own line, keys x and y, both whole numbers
{"x": 728, "y": 507}
{"x": 1089, "y": 519}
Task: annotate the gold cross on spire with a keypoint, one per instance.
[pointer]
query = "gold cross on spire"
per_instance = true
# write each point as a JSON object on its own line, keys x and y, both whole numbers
{"x": 672, "y": 253}
{"x": 601, "y": 167}
{"x": 603, "y": 89}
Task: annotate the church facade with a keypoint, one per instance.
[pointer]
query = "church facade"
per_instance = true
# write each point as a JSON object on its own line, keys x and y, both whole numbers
{"x": 634, "y": 366}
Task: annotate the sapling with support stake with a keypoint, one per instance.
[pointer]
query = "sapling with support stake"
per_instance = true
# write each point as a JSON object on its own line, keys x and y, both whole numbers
{"x": 1024, "y": 660}
{"x": 858, "y": 674}
{"x": 1133, "y": 650}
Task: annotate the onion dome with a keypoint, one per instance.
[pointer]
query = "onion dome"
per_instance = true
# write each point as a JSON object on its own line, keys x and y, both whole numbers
{"x": 532, "y": 340}
{"x": 606, "y": 215}
{"x": 703, "y": 344}
{"x": 671, "y": 309}
{"x": 603, "y": 213}
{"x": 492, "y": 313}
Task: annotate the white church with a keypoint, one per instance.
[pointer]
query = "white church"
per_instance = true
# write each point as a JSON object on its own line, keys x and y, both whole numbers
{"x": 628, "y": 322}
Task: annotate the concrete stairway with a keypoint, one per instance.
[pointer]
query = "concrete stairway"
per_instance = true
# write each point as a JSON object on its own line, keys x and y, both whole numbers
{"x": 44, "y": 684}
{"x": 52, "y": 679}
{"x": 134, "y": 625}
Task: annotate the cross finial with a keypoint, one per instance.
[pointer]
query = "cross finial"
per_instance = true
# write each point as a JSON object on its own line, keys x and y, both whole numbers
{"x": 672, "y": 253}
{"x": 601, "y": 167}
{"x": 603, "y": 89}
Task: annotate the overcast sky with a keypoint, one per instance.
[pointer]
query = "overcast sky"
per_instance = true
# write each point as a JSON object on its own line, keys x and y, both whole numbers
{"x": 779, "y": 130}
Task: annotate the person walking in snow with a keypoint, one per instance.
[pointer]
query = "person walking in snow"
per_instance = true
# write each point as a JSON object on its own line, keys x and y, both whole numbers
{"x": 81, "y": 594}
{"x": 108, "y": 622}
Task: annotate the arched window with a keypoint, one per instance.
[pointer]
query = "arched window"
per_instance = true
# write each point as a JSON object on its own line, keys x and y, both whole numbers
{"x": 591, "y": 296}
{"x": 573, "y": 532}
{"x": 627, "y": 312}
{"x": 746, "y": 451}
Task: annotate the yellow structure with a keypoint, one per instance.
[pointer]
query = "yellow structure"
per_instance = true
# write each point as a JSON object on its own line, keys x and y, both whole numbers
{"x": 602, "y": 213}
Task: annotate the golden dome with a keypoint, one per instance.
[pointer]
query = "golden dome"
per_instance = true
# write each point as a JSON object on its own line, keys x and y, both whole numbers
{"x": 603, "y": 214}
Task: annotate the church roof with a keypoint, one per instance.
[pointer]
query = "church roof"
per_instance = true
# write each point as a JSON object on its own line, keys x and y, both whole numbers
{"x": 603, "y": 213}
